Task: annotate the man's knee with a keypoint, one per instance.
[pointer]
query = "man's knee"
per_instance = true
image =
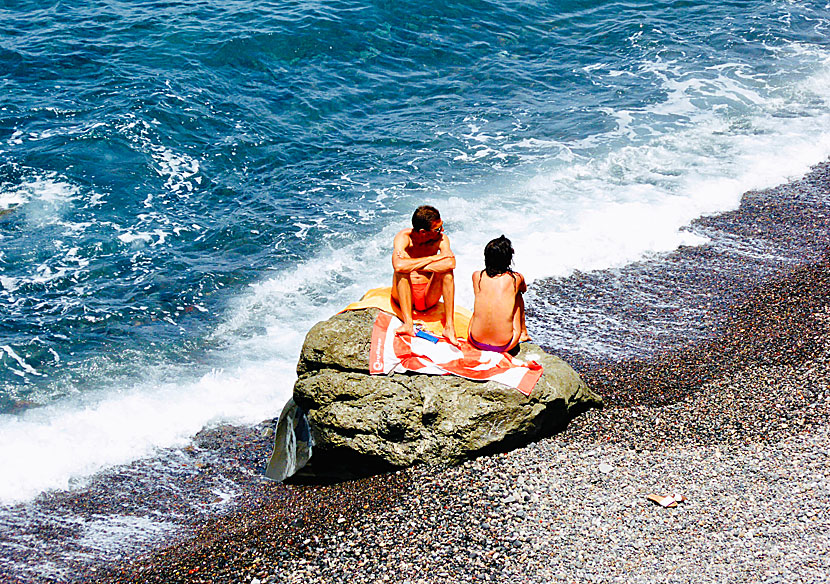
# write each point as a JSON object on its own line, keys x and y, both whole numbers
{"x": 402, "y": 278}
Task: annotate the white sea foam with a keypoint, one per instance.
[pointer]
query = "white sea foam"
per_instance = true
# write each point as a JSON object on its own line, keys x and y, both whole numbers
{"x": 8, "y": 284}
{"x": 108, "y": 534}
{"x": 181, "y": 171}
{"x": 11, "y": 199}
{"x": 133, "y": 237}
{"x": 55, "y": 446}
{"x": 634, "y": 191}
{"x": 41, "y": 200}
{"x": 45, "y": 200}
{"x": 20, "y": 361}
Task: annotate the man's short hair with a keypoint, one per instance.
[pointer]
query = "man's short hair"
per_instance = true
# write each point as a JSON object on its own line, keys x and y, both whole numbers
{"x": 424, "y": 217}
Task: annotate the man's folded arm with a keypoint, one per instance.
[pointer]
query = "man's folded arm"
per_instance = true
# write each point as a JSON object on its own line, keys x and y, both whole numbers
{"x": 406, "y": 265}
{"x": 442, "y": 264}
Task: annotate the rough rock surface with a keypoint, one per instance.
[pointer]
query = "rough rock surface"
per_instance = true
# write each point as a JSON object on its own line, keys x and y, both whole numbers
{"x": 363, "y": 424}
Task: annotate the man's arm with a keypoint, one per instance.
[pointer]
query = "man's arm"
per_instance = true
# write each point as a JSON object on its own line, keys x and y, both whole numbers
{"x": 401, "y": 262}
{"x": 444, "y": 261}
{"x": 440, "y": 264}
{"x": 406, "y": 264}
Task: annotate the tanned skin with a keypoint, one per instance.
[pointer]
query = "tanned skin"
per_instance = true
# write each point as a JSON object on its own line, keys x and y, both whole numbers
{"x": 424, "y": 256}
{"x": 499, "y": 312}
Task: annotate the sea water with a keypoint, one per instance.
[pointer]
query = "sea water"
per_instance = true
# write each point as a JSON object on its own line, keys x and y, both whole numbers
{"x": 186, "y": 187}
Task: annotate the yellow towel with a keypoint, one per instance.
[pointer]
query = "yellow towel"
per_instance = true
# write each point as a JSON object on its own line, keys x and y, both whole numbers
{"x": 432, "y": 319}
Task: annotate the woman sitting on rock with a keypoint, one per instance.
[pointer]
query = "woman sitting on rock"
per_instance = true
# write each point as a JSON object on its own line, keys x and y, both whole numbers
{"x": 498, "y": 321}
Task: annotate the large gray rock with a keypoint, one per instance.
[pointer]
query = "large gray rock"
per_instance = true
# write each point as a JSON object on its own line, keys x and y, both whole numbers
{"x": 361, "y": 423}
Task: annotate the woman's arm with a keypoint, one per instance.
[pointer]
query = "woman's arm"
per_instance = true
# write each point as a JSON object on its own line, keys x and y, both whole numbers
{"x": 521, "y": 285}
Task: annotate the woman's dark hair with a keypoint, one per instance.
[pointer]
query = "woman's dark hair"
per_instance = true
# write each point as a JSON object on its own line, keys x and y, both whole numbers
{"x": 498, "y": 255}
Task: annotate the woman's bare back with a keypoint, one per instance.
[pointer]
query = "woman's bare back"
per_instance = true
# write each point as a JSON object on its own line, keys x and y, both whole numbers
{"x": 494, "y": 313}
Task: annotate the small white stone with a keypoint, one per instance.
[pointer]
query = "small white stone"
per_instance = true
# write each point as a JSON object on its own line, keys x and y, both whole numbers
{"x": 605, "y": 468}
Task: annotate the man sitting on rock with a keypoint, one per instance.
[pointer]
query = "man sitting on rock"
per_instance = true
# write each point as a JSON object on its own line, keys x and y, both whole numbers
{"x": 424, "y": 264}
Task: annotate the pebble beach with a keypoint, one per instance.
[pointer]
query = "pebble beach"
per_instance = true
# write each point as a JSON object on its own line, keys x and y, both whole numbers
{"x": 737, "y": 425}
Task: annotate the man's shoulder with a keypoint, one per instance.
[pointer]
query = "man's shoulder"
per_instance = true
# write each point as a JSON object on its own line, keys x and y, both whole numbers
{"x": 403, "y": 235}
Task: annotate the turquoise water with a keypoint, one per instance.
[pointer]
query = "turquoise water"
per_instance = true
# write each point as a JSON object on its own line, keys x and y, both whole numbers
{"x": 188, "y": 186}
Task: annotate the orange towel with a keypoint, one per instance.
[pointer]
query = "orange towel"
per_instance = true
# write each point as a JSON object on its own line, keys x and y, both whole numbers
{"x": 432, "y": 319}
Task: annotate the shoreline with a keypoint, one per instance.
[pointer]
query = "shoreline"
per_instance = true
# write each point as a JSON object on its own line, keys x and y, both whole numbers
{"x": 670, "y": 302}
{"x": 725, "y": 408}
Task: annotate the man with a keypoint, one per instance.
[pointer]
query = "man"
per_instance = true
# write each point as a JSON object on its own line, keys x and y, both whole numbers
{"x": 424, "y": 264}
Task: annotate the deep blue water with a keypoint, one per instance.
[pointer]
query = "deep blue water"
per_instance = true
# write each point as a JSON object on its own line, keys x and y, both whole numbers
{"x": 187, "y": 186}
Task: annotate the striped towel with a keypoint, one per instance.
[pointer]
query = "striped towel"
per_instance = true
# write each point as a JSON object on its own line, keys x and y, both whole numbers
{"x": 392, "y": 353}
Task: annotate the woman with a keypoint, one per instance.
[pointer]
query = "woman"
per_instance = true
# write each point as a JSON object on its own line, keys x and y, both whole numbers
{"x": 498, "y": 321}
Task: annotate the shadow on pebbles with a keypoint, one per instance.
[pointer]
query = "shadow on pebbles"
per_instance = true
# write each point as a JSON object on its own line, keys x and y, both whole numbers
{"x": 747, "y": 444}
